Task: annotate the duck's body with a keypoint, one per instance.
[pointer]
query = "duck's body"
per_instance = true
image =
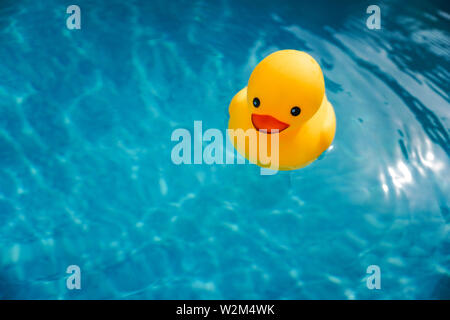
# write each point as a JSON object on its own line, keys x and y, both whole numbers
{"x": 279, "y": 87}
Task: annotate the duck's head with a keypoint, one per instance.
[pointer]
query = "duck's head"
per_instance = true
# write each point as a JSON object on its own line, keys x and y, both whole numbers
{"x": 284, "y": 91}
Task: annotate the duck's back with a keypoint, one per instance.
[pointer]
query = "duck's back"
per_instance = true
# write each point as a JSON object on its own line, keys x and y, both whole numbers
{"x": 239, "y": 117}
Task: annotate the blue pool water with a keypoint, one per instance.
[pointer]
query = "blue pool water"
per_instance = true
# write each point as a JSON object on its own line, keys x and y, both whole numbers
{"x": 86, "y": 176}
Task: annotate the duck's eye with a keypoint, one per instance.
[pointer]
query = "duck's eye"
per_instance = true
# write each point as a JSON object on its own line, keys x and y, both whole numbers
{"x": 256, "y": 102}
{"x": 295, "y": 111}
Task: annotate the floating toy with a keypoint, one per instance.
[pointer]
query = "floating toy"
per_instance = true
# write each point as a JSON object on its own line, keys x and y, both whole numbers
{"x": 285, "y": 96}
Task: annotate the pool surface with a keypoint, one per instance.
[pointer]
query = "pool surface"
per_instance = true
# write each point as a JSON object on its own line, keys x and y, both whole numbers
{"x": 86, "y": 176}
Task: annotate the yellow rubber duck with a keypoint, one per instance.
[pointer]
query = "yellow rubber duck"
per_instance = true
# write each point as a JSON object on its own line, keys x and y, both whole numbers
{"x": 286, "y": 96}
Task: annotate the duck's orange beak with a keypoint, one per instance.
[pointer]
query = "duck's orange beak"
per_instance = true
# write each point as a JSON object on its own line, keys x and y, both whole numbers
{"x": 268, "y": 123}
